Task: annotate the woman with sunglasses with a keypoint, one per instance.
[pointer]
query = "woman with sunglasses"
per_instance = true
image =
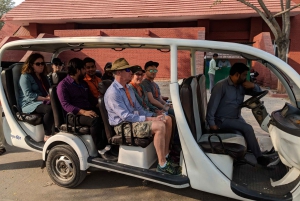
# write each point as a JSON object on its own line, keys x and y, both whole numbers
{"x": 139, "y": 90}
{"x": 34, "y": 91}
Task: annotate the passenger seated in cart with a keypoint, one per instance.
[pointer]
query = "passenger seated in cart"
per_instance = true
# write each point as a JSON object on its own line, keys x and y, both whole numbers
{"x": 34, "y": 91}
{"x": 91, "y": 79}
{"x": 224, "y": 108}
{"x": 75, "y": 96}
{"x": 152, "y": 88}
{"x": 57, "y": 66}
{"x": 140, "y": 91}
{"x": 107, "y": 73}
{"x": 122, "y": 105}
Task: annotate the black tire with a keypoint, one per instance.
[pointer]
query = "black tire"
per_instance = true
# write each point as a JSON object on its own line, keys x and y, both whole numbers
{"x": 63, "y": 166}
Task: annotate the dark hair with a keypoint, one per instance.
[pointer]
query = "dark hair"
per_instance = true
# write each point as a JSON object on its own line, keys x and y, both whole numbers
{"x": 215, "y": 55}
{"x": 108, "y": 65}
{"x": 88, "y": 60}
{"x": 74, "y": 65}
{"x": 238, "y": 68}
{"x": 57, "y": 62}
{"x": 27, "y": 66}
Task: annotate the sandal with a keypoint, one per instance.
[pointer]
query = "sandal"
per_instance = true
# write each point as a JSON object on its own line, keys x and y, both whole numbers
{"x": 2, "y": 151}
{"x": 47, "y": 137}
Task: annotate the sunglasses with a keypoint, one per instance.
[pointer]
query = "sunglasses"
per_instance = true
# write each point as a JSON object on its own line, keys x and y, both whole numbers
{"x": 153, "y": 71}
{"x": 127, "y": 70}
{"x": 40, "y": 63}
{"x": 139, "y": 74}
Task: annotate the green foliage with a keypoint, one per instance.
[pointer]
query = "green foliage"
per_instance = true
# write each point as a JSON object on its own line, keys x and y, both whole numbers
{"x": 5, "y": 6}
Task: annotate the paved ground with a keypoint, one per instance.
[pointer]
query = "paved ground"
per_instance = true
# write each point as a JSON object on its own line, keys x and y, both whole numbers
{"x": 22, "y": 178}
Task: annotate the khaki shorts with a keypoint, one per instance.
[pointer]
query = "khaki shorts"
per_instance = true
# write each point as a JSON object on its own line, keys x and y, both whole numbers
{"x": 140, "y": 129}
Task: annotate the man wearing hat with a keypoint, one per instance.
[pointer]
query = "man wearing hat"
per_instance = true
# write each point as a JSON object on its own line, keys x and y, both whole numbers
{"x": 122, "y": 105}
{"x": 153, "y": 90}
{"x": 107, "y": 73}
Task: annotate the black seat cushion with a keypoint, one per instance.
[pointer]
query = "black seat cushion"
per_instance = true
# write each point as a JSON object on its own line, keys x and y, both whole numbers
{"x": 33, "y": 119}
{"x": 83, "y": 130}
{"x": 234, "y": 144}
{"x": 142, "y": 142}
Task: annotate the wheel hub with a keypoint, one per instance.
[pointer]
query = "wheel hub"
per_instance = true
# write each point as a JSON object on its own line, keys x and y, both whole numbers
{"x": 64, "y": 167}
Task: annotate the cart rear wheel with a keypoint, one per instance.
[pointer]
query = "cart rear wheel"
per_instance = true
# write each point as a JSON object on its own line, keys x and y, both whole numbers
{"x": 63, "y": 166}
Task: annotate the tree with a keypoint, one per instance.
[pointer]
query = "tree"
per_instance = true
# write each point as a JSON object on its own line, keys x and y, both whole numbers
{"x": 5, "y": 6}
{"x": 281, "y": 34}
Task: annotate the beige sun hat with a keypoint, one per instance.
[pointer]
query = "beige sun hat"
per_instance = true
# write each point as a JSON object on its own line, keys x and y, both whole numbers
{"x": 120, "y": 64}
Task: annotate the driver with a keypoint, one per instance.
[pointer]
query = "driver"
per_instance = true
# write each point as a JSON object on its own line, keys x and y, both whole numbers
{"x": 224, "y": 111}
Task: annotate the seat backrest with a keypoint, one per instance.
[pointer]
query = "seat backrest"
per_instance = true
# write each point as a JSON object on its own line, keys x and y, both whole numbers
{"x": 10, "y": 81}
{"x": 202, "y": 99}
{"x": 188, "y": 97}
{"x": 103, "y": 86}
{"x": 58, "y": 112}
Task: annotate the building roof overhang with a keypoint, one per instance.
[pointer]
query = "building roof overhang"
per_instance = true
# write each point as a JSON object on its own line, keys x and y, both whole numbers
{"x": 110, "y": 11}
{"x": 58, "y": 45}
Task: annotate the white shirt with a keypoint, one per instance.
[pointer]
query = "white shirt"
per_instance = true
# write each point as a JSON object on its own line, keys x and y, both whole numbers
{"x": 212, "y": 67}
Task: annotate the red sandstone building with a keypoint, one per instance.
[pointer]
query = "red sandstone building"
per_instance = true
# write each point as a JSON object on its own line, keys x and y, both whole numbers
{"x": 230, "y": 21}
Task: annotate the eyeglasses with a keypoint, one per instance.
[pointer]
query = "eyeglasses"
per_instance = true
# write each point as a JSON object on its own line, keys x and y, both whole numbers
{"x": 153, "y": 71}
{"x": 127, "y": 70}
{"x": 139, "y": 74}
{"x": 39, "y": 63}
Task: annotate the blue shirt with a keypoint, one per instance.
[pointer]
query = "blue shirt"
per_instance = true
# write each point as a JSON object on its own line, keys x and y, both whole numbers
{"x": 73, "y": 96}
{"x": 225, "y": 101}
{"x": 118, "y": 106}
{"x": 28, "y": 93}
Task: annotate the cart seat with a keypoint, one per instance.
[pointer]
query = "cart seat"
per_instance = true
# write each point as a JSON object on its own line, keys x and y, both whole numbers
{"x": 221, "y": 143}
{"x": 10, "y": 80}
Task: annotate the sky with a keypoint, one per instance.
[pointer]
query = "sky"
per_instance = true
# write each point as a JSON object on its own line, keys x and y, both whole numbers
{"x": 17, "y": 2}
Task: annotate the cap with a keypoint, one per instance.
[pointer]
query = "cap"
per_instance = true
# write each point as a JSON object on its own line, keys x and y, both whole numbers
{"x": 120, "y": 64}
{"x": 136, "y": 68}
{"x": 57, "y": 62}
{"x": 151, "y": 63}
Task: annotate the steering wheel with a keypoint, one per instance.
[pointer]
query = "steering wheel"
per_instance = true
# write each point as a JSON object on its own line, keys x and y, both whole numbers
{"x": 248, "y": 103}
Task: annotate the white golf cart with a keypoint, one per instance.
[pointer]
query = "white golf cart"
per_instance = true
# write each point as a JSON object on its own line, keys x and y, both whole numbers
{"x": 207, "y": 159}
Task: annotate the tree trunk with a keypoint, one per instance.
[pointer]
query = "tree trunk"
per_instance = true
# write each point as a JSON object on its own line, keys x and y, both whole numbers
{"x": 282, "y": 47}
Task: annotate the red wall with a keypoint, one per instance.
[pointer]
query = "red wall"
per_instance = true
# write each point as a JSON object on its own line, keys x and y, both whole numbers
{"x": 139, "y": 56}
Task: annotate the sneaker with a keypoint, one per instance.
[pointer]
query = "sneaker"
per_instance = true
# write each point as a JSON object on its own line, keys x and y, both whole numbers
{"x": 266, "y": 161}
{"x": 169, "y": 169}
{"x": 171, "y": 160}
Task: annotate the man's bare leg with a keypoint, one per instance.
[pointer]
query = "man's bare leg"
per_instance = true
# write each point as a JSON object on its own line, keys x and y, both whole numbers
{"x": 168, "y": 133}
{"x": 158, "y": 128}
